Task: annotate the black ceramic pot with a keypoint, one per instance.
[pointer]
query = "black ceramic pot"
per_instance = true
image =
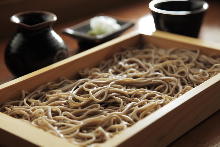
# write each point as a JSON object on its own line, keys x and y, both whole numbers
{"x": 178, "y": 16}
{"x": 35, "y": 44}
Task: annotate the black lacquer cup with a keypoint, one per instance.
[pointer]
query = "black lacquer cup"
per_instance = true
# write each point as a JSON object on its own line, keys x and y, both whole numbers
{"x": 182, "y": 17}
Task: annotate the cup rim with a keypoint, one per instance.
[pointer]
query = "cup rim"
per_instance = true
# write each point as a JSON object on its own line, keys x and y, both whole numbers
{"x": 152, "y": 7}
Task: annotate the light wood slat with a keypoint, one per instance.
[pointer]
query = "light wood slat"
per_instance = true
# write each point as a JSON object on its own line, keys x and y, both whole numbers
{"x": 169, "y": 40}
{"x": 30, "y": 133}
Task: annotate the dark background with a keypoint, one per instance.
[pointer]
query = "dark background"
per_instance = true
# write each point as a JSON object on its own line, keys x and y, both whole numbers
{"x": 66, "y": 10}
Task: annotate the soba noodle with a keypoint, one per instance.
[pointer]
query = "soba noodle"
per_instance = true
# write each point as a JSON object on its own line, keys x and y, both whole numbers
{"x": 114, "y": 95}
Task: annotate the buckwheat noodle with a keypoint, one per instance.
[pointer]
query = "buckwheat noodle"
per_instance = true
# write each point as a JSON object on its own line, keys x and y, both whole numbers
{"x": 114, "y": 95}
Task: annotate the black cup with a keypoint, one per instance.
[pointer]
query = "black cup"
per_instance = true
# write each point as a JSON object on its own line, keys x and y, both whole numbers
{"x": 178, "y": 16}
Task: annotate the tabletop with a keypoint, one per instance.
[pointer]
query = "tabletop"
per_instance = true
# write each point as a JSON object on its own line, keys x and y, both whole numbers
{"x": 207, "y": 133}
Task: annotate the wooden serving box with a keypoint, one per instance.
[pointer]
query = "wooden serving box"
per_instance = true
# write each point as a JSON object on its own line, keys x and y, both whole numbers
{"x": 158, "y": 129}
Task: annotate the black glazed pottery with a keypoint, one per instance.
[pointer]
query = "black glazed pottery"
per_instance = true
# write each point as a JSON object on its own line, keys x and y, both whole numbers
{"x": 86, "y": 41}
{"x": 35, "y": 44}
{"x": 178, "y": 16}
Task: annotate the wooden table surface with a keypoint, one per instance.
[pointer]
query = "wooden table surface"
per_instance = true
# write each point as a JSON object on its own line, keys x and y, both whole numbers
{"x": 206, "y": 133}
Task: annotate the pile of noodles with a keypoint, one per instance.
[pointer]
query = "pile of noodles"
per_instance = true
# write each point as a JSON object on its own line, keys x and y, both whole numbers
{"x": 114, "y": 95}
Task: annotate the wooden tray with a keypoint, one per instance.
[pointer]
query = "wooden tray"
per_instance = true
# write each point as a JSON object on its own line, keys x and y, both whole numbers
{"x": 158, "y": 129}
